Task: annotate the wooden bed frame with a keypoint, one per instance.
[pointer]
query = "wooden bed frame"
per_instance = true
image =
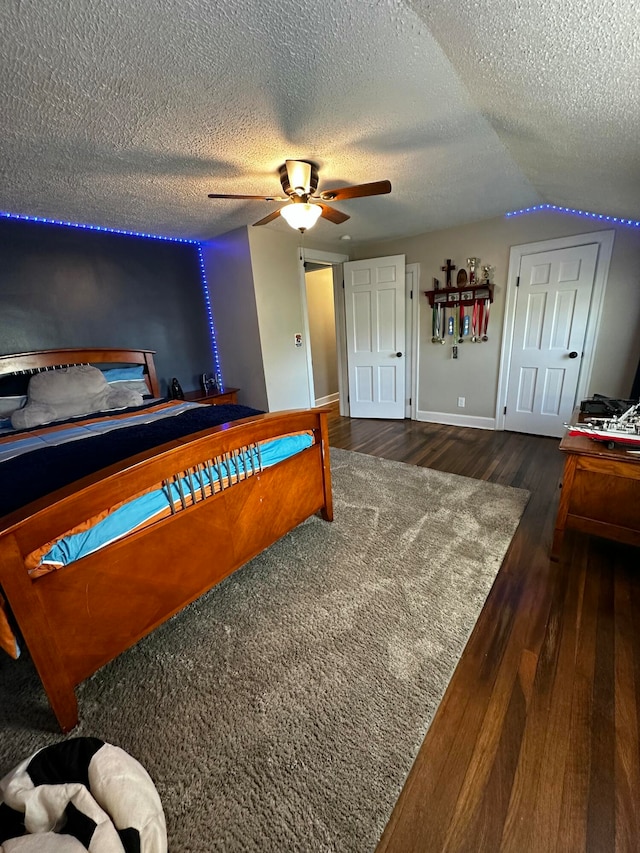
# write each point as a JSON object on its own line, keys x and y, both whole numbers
{"x": 75, "y": 620}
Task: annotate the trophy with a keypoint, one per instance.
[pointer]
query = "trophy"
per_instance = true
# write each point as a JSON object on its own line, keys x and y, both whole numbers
{"x": 472, "y": 263}
{"x": 487, "y": 272}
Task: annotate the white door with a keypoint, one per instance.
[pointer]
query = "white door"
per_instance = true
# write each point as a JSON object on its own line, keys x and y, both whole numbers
{"x": 411, "y": 337}
{"x": 552, "y": 310}
{"x": 374, "y": 308}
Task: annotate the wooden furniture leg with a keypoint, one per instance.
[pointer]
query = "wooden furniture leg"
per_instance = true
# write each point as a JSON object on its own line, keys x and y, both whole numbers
{"x": 33, "y": 620}
{"x": 563, "y": 508}
{"x": 327, "y": 510}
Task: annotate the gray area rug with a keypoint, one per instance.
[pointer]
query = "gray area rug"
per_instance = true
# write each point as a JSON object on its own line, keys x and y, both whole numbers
{"x": 283, "y": 710}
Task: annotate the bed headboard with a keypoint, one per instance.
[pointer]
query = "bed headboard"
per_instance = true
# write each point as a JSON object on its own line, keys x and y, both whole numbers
{"x": 39, "y": 360}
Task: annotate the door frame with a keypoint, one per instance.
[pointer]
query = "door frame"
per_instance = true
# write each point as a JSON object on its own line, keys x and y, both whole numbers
{"x": 605, "y": 241}
{"x": 412, "y": 336}
{"x": 334, "y": 260}
{"x": 412, "y": 322}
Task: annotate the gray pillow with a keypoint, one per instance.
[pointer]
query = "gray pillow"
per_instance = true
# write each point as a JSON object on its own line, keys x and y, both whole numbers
{"x": 69, "y": 391}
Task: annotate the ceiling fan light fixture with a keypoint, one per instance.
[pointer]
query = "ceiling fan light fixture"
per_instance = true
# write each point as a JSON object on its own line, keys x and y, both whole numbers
{"x": 299, "y": 175}
{"x": 301, "y": 215}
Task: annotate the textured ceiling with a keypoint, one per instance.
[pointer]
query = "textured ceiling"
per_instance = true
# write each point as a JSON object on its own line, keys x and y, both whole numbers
{"x": 126, "y": 114}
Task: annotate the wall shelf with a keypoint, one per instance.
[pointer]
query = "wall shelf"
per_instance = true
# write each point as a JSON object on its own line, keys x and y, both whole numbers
{"x": 449, "y": 297}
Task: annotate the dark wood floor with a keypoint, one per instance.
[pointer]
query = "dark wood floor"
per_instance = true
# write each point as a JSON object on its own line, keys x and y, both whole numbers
{"x": 535, "y": 746}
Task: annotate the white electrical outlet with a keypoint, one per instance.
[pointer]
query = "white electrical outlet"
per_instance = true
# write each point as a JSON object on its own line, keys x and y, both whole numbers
{"x": 461, "y": 402}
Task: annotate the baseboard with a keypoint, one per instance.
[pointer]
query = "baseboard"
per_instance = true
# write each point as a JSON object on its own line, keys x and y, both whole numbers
{"x": 330, "y": 398}
{"x": 456, "y": 420}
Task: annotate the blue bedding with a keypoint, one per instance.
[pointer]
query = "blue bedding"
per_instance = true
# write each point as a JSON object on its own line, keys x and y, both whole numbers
{"x": 36, "y": 462}
{"x": 33, "y": 475}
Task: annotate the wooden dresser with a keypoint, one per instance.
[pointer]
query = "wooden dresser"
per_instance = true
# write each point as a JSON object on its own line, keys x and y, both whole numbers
{"x": 229, "y": 395}
{"x": 600, "y": 492}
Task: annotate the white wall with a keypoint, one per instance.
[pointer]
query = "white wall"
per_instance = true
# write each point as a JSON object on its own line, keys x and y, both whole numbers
{"x": 474, "y": 375}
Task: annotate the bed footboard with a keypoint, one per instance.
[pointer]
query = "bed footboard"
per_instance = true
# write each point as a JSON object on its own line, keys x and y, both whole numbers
{"x": 75, "y": 620}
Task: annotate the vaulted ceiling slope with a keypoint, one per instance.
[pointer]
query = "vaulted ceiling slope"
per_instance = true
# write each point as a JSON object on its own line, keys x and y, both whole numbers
{"x": 127, "y": 114}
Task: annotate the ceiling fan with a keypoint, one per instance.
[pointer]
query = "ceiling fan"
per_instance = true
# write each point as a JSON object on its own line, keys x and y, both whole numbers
{"x": 299, "y": 181}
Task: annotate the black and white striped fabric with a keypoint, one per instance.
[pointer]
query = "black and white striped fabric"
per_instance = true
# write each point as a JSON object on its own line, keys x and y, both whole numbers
{"x": 81, "y": 794}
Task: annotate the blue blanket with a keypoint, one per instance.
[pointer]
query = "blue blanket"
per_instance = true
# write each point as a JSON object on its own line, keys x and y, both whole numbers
{"x": 34, "y": 475}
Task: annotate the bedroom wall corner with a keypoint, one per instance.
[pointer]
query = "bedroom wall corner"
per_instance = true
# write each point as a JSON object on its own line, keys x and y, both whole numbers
{"x": 275, "y": 259}
{"x": 276, "y": 277}
{"x": 228, "y": 267}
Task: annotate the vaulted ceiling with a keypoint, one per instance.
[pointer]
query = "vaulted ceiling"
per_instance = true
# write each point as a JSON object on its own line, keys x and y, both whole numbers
{"x": 127, "y": 114}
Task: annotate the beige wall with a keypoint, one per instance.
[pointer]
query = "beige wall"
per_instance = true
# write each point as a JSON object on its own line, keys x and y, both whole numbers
{"x": 322, "y": 331}
{"x": 474, "y": 375}
{"x": 255, "y": 282}
{"x": 276, "y": 279}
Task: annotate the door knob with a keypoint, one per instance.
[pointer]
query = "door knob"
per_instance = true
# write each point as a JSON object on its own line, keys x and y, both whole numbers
{"x": 398, "y": 355}
{"x": 573, "y": 354}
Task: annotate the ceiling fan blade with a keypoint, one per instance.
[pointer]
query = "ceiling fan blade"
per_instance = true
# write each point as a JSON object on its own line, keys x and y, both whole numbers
{"x": 333, "y": 215}
{"x": 299, "y": 174}
{"x": 257, "y": 197}
{"x": 357, "y": 191}
{"x": 273, "y": 215}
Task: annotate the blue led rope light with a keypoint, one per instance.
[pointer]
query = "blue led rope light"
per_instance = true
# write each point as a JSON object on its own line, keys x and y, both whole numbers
{"x": 103, "y": 228}
{"x": 599, "y": 216}
{"x": 205, "y": 285}
{"x": 212, "y": 331}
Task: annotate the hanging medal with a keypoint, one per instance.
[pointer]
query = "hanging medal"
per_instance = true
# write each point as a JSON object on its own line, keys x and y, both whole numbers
{"x": 487, "y": 305}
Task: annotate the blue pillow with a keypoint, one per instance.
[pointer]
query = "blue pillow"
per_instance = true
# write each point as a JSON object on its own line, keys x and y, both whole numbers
{"x": 124, "y": 374}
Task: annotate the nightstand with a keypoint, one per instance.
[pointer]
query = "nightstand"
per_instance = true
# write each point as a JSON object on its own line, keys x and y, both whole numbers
{"x": 229, "y": 395}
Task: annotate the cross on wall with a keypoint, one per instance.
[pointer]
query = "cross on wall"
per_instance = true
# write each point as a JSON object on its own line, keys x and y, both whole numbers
{"x": 447, "y": 268}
